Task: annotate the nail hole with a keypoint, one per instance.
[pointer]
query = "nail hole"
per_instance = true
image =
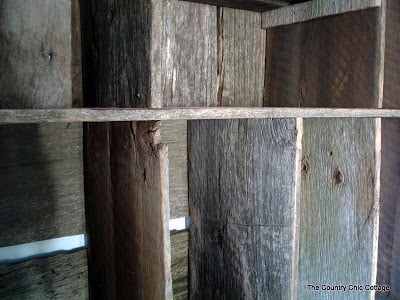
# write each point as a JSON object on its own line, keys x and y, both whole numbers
{"x": 330, "y": 153}
{"x": 338, "y": 177}
{"x": 304, "y": 166}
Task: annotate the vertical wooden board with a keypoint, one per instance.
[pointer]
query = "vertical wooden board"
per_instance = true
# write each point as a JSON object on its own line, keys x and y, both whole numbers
{"x": 189, "y": 56}
{"x": 99, "y": 211}
{"x": 41, "y": 187}
{"x": 179, "y": 264}
{"x": 389, "y": 211}
{"x": 63, "y": 276}
{"x": 35, "y": 54}
{"x": 324, "y": 57}
{"x": 174, "y": 134}
{"x": 242, "y": 190}
{"x": 338, "y": 207}
{"x": 241, "y": 59}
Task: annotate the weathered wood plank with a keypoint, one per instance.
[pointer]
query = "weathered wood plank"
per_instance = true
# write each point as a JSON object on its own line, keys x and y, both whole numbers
{"x": 322, "y": 63}
{"x": 176, "y": 114}
{"x": 35, "y": 54}
{"x": 174, "y": 134}
{"x": 338, "y": 207}
{"x": 242, "y": 190}
{"x": 62, "y": 276}
{"x": 314, "y": 9}
{"x": 41, "y": 190}
{"x": 179, "y": 264}
{"x": 253, "y": 5}
{"x": 242, "y": 45}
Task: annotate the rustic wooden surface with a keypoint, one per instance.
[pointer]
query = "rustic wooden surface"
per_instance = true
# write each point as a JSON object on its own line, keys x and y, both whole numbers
{"x": 241, "y": 60}
{"x": 338, "y": 207}
{"x": 127, "y": 189}
{"x": 322, "y": 63}
{"x": 389, "y": 211}
{"x": 42, "y": 184}
{"x": 63, "y": 276}
{"x": 241, "y": 187}
{"x": 253, "y": 5}
{"x": 179, "y": 114}
{"x": 35, "y": 54}
{"x": 179, "y": 264}
{"x": 310, "y": 10}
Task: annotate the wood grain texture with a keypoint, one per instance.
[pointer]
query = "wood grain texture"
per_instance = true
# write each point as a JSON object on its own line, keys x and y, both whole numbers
{"x": 241, "y": 187}
{"x": 63, "y": 276}
{"x": 189, "y": 56}
{"x": 242, "y": 58}
{"x": 179, "y": 264}
{"x": 127, "y": 189}
{"x": 253, "y": 5}
{"x": 42, "y": 184}
{"x": 322, "y": 63}
{"x": 174, "y": 134}
{"x": 389, "y": 211}
{"x": 35, "y": 54}
{"x": 338, "y": 207}
{"x": 314, "y": 9}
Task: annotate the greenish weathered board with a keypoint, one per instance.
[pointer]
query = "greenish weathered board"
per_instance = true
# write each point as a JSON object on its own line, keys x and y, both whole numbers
{"x": 338, "y": 208}
{"x": 179, "y": 264}
{"x": 63, "y": 276}
{"x": 242, "y": 201}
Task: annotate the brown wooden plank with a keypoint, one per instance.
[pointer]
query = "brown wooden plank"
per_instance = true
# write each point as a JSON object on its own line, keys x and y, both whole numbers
{"x": 322, "y": 63}
{"x": 338, "y": 207}
{"x": 310, "y": 10}
{"x": 242, "y": 190}
{"x": 179, "y": 264}
{"x": 242, "y": 58}
{"x": 63, "y": 276}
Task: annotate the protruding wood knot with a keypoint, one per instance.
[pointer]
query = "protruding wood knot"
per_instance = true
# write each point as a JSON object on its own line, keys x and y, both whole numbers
{"x": 338, "y": 177}
{"x": 305, "y": 166}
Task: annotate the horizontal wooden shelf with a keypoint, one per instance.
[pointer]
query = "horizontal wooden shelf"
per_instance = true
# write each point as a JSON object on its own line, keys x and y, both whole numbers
{"x": 137, "y": 114}
{"x": 312, "y": 10}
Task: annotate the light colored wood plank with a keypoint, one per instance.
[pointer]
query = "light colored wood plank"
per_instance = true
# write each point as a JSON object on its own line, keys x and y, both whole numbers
{"x": 324, "y": 64}
{"x": 242, "y": 192}
{"x": 338, "y": 207}
{"x": 242, "y": 58}
{"x": 63, "y": 276}
{"x": 170, "y": 114}
{"x": 312, "y": 10}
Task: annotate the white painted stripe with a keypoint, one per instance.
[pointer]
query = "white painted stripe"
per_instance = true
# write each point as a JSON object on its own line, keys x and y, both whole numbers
{"x": 44, "y": 248}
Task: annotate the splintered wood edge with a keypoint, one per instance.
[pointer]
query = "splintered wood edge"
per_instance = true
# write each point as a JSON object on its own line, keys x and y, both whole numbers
{"x": 312, "y": 10}
{"x": 13, "y": 116}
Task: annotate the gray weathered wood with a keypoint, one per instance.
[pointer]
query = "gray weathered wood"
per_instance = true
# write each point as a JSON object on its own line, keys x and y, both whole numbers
{"x": 242, "y": 190}
{"x": 63, "y": 276}
{"x": 338, "y": 207}
{"x": 179, "y": 264}
{"x": 313, "y": 9}
{"x": 324, "y": 64}
{"x": 35, "y": 54}
{"x": 42, "y": 183}
{"x": 171, "y": 114}
{"x": 254, "y": 5}
{"x": 241, "y": 44}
